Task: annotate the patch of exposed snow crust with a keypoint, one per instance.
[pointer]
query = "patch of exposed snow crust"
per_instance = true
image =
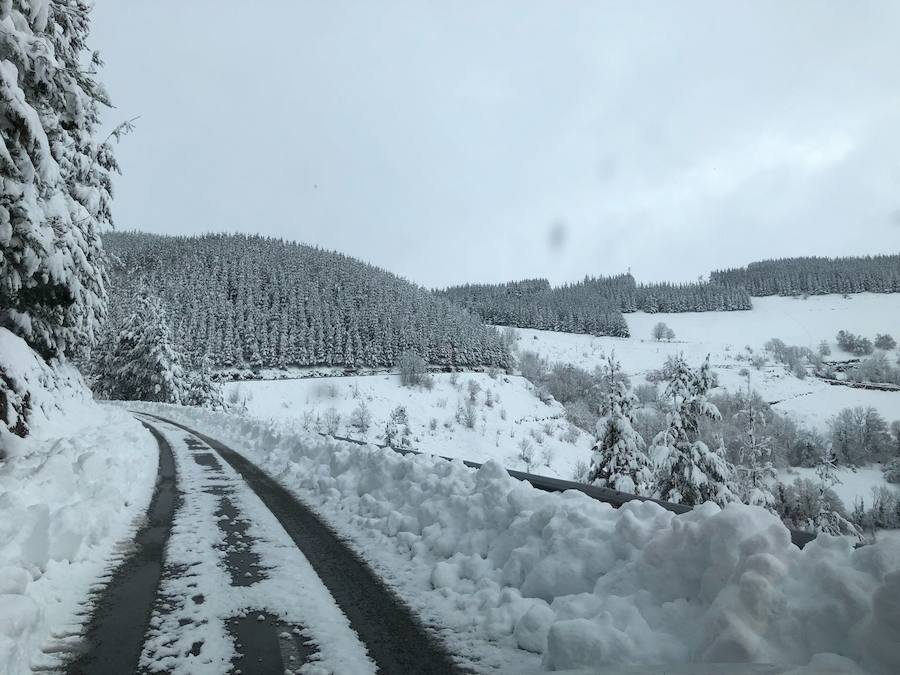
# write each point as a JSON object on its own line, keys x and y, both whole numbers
{"x": 69, "y": 493}
{"x": 493, "y": 560}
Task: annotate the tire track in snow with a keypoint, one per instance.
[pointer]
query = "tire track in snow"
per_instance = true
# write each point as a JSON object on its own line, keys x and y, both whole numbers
{"x": 393, "y": 636}
{"x": 237, "y": 595}
{"x": 115, "y": 633}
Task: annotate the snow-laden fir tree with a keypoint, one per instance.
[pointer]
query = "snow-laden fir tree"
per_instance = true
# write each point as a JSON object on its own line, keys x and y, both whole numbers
{"x": 139, "y": 362}
{"x": 202, "y": 390}
{"x": 689, "y": 472}
{"x": 826, "y": 519}
{"x": 619, "y": 459}
{"x": 55, "y": 178}
{"x": 756, "y": 472}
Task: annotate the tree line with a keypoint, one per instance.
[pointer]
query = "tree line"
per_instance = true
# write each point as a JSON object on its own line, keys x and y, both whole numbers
{"x": 257, "y": 302}
{"x": 815, "y": 275}
{"x": 594, "y": 305}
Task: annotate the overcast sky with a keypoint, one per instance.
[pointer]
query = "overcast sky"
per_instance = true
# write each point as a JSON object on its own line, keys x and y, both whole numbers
{"x": 488, "y": 141}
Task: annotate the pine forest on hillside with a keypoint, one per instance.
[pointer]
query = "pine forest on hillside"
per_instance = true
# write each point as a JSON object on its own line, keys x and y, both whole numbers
{"x": 248, "y": 301}
{"x": 815, "y": 275}
{"x": 594, "y": 305}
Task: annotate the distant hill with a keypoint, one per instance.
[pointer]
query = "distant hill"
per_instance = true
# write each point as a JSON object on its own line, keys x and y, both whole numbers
{"x": 594, "y": 305}
{"x": 249, "y": 301}
{"x": 815, "y": 276}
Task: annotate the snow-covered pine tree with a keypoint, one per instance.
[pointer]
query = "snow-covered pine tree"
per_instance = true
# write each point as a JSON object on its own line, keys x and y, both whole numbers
{"x": 756, "y": 473}
{"x": 202, "y": 390}
{"x": 826, "y": 519}
{"x": 140, "y": 363}
{"x": 619, "y": 459}
{"x": 688, "y": 471}
{"x": 55, "y": 178}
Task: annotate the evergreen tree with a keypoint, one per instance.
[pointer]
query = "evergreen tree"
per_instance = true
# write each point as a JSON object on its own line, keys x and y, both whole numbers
{"x": 825, "y": 518}
{"x": 619, "y": 459}
{"x": 56, "y": 177}
{"x": 202, "y": 390}
{"x": 271, "y": 303}
{"x": 689, "y": 472}
{"x": 756, "y": 472}
{"x": 139, "y": 363}
{"x": 815, "y": 276}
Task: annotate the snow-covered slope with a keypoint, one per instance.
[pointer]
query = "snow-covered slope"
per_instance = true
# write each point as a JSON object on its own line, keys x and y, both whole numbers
{"x": 725, "y": 336}
{"x": 515, "y": 415}
{"x": 68, "y": 494}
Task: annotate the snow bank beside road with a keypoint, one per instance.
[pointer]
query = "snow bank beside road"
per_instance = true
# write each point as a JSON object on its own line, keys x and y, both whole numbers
{"x": 578, "y": 582}
{"x": 68, "y": 493}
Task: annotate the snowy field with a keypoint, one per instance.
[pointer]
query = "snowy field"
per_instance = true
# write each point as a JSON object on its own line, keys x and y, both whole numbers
{"x": 502, "y": 570}
{"x": 515, "y": 415}
{"x": 69, "y": 494}
{"x": 726, "y": 335}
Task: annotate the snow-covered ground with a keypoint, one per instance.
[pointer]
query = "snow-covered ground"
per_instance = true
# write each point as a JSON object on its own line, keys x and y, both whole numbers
{"x": 515, "y": 415}
{"x": 854, "y": 482}
{"x": 500, "y": 568}
{"x": 289, "y": 588}
{"x": 69, "y": 494}
{"x": 725, "y": 336}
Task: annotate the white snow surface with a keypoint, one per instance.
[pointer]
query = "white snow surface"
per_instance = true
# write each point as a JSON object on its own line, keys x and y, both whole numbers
{"x": 726, "y": 335}
{"x": 290, "y": 589}
{"x": 503, "y": 569}
{"x": 69, "y": 493}
{"x": 527, "y": 418}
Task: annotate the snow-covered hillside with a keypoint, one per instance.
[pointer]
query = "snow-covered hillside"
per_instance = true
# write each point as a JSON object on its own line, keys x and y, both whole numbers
{"x": 518, "y": 416}
{"x": 726, "y": 335}
{"x": 515, "y": 415}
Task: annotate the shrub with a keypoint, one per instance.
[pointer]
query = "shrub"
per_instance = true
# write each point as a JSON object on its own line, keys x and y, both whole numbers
{"x": 580, "y": 471}
{"x": 547, "y": 455}
{"x": 876, "y": 368}
{"x": 331, "y": 421}
{"x": 474, "y": 388}
{"x": 662, "y": 332}
{"x": 526, "y": 454}
{"x": 361, "y": 418}
{"x": 579, "y": 414}
{"x": 824, "y": 348}
{"x": 758, "y": 361}
{"x": 469, "y": 415}
{"x": 859, "y": 435}
{"x": 533, "y": 367}
{"x": 646, "y": 393}
{"x": 412, "y": 369}
{"x": 892, "y": 471}
{"x": 800, "y": 502}
{"x": 885, "y": 341}
{"x": 859, "y": 346}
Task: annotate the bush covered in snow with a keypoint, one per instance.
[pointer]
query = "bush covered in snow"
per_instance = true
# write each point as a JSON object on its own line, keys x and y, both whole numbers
{"x": 412, "y": 369}
{"x": 859, "y": 436}
{"x": 885, "y": 341}
{"x": 855, "y": 344}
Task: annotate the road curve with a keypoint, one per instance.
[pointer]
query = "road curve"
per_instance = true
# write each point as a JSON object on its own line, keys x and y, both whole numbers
{"x": 393, "y": 636}
{"x": 115, "y": 633}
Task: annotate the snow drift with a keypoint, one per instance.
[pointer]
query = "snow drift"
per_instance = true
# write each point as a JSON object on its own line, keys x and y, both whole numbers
{"x": 68, "y": 493}
{"x": 583, "y": 584}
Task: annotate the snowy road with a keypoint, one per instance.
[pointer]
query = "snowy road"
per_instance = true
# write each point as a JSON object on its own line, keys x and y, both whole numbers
{"x": 243, "y": 577}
